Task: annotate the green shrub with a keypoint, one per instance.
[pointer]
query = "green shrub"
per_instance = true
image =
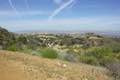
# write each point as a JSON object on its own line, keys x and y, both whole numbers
{"x": 89, "y": 60}
{"x": 98, "y": 56}
{"x": 107, "y": 59}
{"x": 49, "y": 53}
{"x": 12, "y": 48}
{"x": 100, "y": 52}
{"x": 115, "y": 47}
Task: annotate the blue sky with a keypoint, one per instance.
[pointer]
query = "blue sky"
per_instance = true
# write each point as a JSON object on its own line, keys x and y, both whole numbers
{"x": 20, "y": 15}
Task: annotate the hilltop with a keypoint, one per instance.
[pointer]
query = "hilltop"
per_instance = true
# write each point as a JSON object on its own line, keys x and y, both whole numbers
{"x": 19, "y": 66}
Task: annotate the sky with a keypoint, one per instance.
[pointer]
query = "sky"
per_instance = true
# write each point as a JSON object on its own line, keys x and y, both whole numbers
{"x": 60, "y": 15}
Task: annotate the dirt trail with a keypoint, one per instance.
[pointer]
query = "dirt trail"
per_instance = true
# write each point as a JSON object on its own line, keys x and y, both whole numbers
{"x": 19, "y": 66}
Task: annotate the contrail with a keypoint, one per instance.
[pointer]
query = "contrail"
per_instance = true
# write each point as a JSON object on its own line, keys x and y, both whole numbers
{"x": 12, "y": 6}
{"x": 60, "y": 9}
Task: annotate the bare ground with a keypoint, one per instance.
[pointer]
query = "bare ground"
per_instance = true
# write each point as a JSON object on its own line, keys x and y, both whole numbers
{"x": 20, "y": 66}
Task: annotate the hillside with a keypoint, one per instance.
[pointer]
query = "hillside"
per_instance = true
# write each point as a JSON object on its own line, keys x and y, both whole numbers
{"x": 19, "y": 66}
{"x": 6, "y": 38}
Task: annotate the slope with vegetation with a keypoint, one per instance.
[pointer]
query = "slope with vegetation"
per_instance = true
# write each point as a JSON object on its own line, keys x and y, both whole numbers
{"x": 19, "y": 66}
{"x": 88, "y": 48}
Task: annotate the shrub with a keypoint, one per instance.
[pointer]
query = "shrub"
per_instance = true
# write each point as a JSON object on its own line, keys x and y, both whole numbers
{"x": 70, "y": 57}
{"x": 100, "y": 52}
{"x": 22, "y": 39}
{"x": 89, "y": 60}
{"x": 97, "y": 56}
{"x": 116, "y": 48}
{"x": 114, "y": 67}
{"x": 107, "y": 59}
{"x": 12, "y": 48}
{"x": 49, "y": 53}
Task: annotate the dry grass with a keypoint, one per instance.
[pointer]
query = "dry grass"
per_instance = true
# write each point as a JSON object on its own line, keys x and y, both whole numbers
{"x": 19, "y": 66}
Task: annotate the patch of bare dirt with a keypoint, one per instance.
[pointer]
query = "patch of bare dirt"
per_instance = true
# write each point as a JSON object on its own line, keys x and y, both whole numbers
{"x": 19, "y": 66}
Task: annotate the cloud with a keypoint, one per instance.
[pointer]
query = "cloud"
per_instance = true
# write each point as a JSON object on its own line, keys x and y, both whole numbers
{"x": 27, "y": 13}
{"x": 56, "y": 22}
{"x": 96, "y": 23}
{"x": 57, "y": 1}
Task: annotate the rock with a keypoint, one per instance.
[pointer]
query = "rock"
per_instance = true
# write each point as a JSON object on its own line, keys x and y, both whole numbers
{"x": 64, "y": 65}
